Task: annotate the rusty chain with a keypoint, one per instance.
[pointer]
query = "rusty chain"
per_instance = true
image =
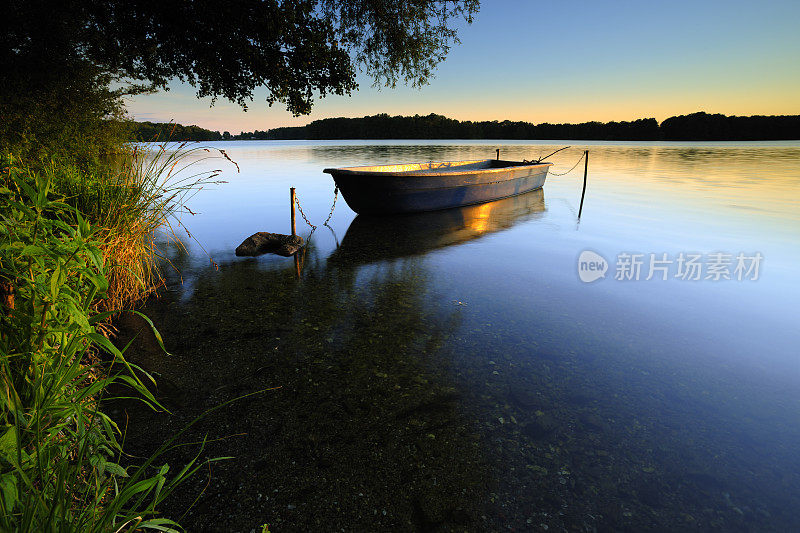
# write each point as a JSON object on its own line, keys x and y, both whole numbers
{"x": 335, "y": 197}
{"x": 302, "y": 214}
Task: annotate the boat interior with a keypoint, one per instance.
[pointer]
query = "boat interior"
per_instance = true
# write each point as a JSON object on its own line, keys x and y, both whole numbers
{"x": 440, "y": 166}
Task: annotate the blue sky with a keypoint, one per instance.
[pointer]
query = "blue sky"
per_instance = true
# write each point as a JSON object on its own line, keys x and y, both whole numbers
{"x": 568, "y": 61}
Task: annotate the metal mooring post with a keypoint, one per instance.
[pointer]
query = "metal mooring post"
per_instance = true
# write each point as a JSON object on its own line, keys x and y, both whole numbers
{"x": 585, "y": 171}
{"x": 292, "y": 200}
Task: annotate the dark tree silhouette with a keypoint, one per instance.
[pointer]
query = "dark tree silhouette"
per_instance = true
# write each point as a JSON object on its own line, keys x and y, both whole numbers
{"x": 706, "y": 127}
{"x": 161, "y": 131}
{"x": 65, "y": 65}
{"x": 296, "y": 49}
{"x": 698, "y": 126}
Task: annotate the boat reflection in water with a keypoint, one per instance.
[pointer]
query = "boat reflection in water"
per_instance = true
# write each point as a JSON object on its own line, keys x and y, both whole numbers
{"x": 376, "y": 238}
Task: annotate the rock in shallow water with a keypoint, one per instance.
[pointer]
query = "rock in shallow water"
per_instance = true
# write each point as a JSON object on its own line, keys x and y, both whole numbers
{"x": 269, "y": 243}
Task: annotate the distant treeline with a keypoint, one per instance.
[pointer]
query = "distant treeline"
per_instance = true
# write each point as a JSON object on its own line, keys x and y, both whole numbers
{"x": 695, "y": 127}
{"x": 162, "y": 131}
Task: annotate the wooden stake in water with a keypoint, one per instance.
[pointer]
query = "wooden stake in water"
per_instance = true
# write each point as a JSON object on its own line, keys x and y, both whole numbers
{"x": 292, "y": 200}
{"x": 585, "y": 171}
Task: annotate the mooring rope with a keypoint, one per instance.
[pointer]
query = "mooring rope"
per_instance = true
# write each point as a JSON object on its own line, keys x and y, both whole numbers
{"x": 570, "y": 170}
{"x": 539, "y": 160}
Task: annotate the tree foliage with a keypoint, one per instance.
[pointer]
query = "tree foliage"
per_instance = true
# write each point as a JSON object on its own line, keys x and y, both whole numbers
{"x": 162, "y": 131}
{"x": 65, "y": 66}
{"x": 434, "y": 126}
{"x": 297, "y": 49}
{"x": 716, "y": 127}
{"x": 51, "y": 99}
{"x": 697, "y": 126}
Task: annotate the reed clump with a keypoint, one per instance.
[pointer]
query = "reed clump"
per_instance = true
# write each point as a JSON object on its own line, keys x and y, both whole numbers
{"x": 129, "y": 199}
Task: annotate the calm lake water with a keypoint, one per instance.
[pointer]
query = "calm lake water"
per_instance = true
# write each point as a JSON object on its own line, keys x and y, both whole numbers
{"x": 452, "y": 371}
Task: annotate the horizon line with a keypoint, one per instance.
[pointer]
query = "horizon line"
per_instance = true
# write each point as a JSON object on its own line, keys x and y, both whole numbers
{"x": 172, "y": 121}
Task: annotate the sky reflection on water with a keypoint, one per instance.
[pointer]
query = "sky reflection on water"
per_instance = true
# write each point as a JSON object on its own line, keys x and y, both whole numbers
{"x": 642, "y": 198}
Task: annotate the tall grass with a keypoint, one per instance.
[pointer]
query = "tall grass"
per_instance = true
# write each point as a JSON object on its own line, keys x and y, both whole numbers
{"x": 128, "y": 200}
{"x": 59, "y": 455}
{"x": 76, "y": 246}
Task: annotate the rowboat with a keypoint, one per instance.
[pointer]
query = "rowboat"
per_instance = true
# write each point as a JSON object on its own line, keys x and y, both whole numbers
{"x": 409, "y": 188}
{"x": 380, "y": 238}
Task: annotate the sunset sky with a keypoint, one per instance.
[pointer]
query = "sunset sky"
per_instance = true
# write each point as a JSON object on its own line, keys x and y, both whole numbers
{"x": 568, "y": 61}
